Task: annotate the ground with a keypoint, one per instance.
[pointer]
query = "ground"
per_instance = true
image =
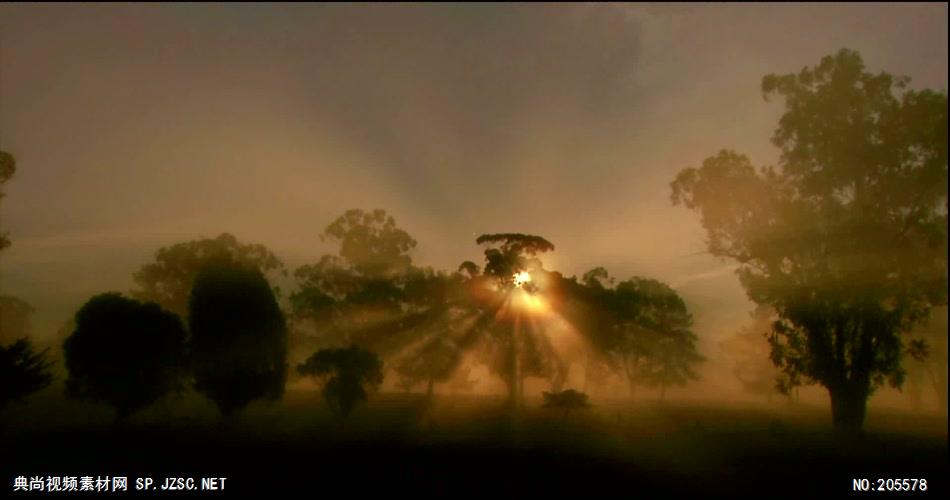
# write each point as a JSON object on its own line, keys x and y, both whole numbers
{"x": 467, "y": 446}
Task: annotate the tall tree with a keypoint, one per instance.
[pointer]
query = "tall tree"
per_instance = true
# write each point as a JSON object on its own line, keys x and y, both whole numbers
{"x": 361, "y": 286}
{"x": 847, "y": 238}
{"x": 501, "y": 297}
{"x": 124, "y": 353}
{"x": 238, "y": 336}
{"x": 169, "y": 279}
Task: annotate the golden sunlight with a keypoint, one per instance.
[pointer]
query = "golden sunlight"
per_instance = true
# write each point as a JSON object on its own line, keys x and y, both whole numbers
{"x": 530, "y": 303}
{"x": 520, "y": 278}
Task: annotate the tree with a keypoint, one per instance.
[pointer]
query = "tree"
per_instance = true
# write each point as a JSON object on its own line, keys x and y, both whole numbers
{"x": 7, "y": 169}
{"x": 565, "y": 400}
{"x": 642, "y": 326}
{"x": 434, "y": 361}
{"x": 501, "y": 297}
{"x": 347, "y": 375}
{"x": 238, "y": 336}
{"x": 665, "y": 328}
{"x": 586, "y": 304}
{"x": 847, "y": 238}
{"x": 22, "y": 371}
{"x": 360, "y": 287}
{"x": 169, "y": 279}
{"x": 124, "y": 353}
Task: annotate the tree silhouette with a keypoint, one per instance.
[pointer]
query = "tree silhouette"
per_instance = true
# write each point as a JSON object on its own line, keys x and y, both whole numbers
{"x": 238, "y": 336}
{"x": 435, "y": 361}
{"x": 124, "y": 353}
{"x": 640, "y": 326}
{"x": 360, "y": 287}
{"x": 347, "y": 374}
{"x": 565, "y": 400}
{"x": 7, "y": 169}
{"x": 169, "y": 279}
{"x": 664, "y": 328}
{"x": 22, "y": 371}
{"x": 509, "y": 253}
{"x": 847, "y": 238}
{"x": 515, "y": 345}
{"x": 588, "y": 305}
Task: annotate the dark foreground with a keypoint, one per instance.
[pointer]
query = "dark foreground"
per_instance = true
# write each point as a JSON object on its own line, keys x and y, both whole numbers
{"x": 465, "y": 447}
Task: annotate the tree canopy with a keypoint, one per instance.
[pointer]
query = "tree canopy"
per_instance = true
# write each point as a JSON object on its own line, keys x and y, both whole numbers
{"x": 124, "y": 353}
{"x": 847, "y": 237}
{"x": 348, "y": 374}
{"x": 238, "y": 336}
{"x": 641, "y": 327}
{"x": 362, "y": 285}
{"x": 508, "y": 253}
{"x": 169, "y": 279}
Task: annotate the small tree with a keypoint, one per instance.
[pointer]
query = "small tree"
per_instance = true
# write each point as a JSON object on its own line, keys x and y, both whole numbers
{"x": 124, "y": 353}
{"x": 434, "y": 362}
{"x": 347, "y": 374}
{"x": 238, "y": 336}
{"x": 7, "y": 169}
{"x": 566, "y": 400}
{"x": 22, "y": 371}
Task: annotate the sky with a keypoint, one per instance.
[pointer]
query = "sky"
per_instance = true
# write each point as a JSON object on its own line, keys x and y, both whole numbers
{"x": 141, "y": 125}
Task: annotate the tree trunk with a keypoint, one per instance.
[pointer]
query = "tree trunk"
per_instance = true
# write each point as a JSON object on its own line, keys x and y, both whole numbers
{"x": 848, "y": 409}
{"x": 429, "y": 388}
{"x": 662, "y": 391}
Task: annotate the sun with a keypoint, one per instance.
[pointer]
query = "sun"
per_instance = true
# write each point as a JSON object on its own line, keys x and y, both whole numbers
{"x": 520, "y": 278}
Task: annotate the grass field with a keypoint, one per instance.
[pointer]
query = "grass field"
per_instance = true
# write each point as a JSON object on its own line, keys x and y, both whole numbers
{"x": 468, "y": 446}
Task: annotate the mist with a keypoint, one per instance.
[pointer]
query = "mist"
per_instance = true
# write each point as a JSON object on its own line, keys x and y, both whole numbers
{"x": 139, "y": 126}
